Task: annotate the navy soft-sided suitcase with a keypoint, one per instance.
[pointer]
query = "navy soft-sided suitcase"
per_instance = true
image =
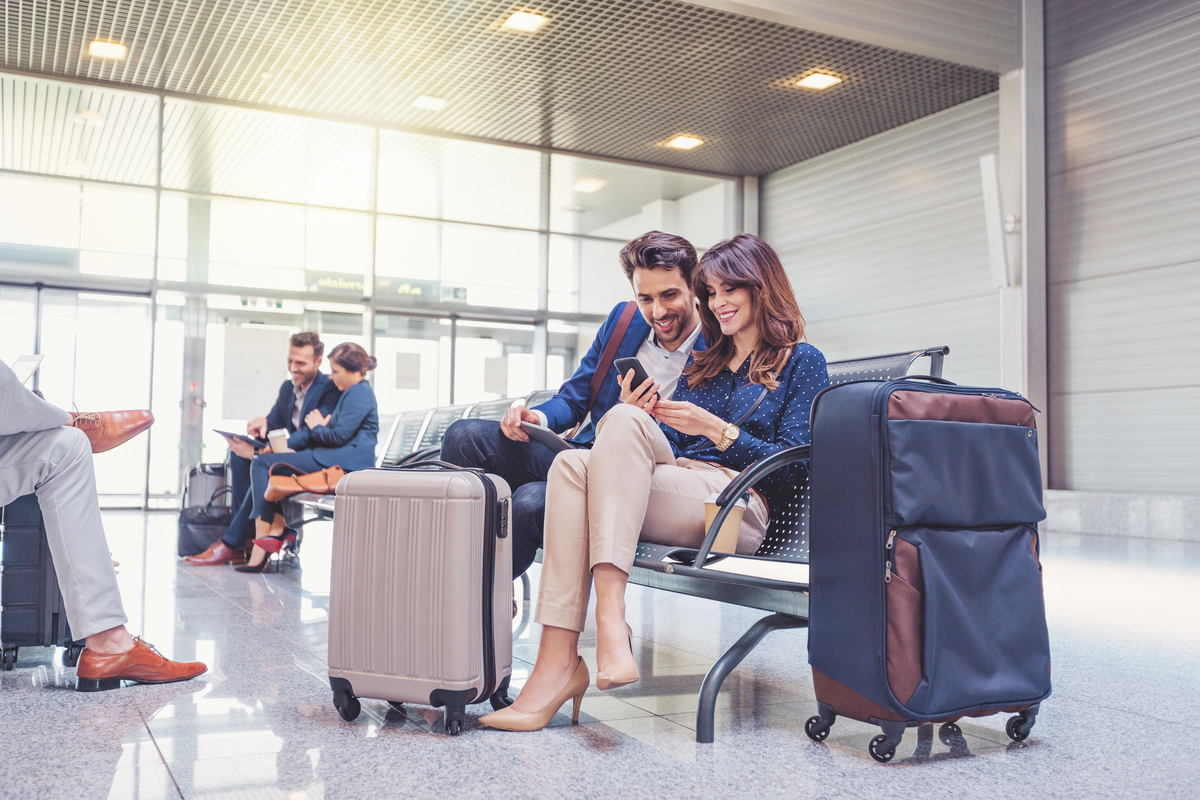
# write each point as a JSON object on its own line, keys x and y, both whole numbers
{"x": 31, "y": 604}
{"x": 926, "y": 586}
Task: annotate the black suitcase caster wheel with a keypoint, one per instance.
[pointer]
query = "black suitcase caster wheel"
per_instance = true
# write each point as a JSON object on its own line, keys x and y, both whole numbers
{"x": 1018, "y": 728}
{"x": 881, "y": 750}
{"x": 347, "y": 706}
{"x": 71, "y": 654}
{"x": 816, "y": 730}
{"x": 10, "y": 659}
{"x": 454, "y": 720}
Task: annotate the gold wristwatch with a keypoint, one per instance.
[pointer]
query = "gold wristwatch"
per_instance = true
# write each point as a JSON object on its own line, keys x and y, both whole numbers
{"x": 728, "y": 437}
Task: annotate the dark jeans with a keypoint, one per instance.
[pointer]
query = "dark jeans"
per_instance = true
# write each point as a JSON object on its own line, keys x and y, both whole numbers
{"x": 241, "y": 526}
{"x": 480, "y": 443}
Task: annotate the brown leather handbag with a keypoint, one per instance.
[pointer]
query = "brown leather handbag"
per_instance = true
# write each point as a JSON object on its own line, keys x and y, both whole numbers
{"x": 323, "y": 482}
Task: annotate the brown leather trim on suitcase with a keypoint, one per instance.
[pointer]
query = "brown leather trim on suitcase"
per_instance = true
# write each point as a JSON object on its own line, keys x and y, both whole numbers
{"x": 905, "y": 598}
{"x": 959, "y": 408}
{"x": 847, "y": 702}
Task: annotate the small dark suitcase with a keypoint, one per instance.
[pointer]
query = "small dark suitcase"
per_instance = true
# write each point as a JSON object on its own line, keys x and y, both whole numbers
{"x": 201, "y": 526}
{"x": 31, "y": 604}
{"x": 202, "y": 482}
{"x": 926, "y": 586}
{"x": 420, "y": 595}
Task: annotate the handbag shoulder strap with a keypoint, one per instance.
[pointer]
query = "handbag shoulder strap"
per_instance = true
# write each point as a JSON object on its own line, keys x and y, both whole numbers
{"x": 610, "y": 353}
{"x": 752, "y": 408}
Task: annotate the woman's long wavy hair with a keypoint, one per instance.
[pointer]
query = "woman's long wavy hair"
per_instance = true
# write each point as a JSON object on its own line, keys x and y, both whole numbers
{"x": 746, "y": 261}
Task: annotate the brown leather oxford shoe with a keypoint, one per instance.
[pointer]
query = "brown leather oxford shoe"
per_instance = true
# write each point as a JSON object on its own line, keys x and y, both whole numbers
{"x": 218, "y": 553}
{"x": 107, "y": 429}
{"x": 99, "y": 672}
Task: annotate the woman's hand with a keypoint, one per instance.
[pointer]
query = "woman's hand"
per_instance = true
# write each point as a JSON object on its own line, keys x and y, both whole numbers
{"x": 643, "y": 396}
{"x": 690, "y": 419}
{"x": 315, "y": 419}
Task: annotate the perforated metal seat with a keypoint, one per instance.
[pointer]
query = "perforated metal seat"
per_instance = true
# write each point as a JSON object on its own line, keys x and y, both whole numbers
{"x": 493, "y": 409}
{"x": 539, "y": 397}
{"x": 402, "y": 437}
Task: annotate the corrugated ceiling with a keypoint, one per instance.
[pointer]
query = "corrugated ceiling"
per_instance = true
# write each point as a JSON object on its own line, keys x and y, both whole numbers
{"x": 614, "y": 78}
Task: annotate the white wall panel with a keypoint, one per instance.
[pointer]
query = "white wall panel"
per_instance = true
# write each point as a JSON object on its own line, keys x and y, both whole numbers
{"x": 884, "y": 242}
{"x": 982, "y": 33}
{"x": 1123, "y": 198}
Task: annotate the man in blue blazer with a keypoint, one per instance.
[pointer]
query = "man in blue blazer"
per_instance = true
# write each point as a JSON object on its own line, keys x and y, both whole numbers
{"x": 308, "y": 389}
{"x": 659, "y": 267}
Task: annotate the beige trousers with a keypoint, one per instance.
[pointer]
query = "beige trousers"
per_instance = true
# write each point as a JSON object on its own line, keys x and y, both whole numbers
{"x": 629, "y": 486}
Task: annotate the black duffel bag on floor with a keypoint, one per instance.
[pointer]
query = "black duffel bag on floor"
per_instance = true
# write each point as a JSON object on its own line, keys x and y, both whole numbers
{"x": 201, "y": 526}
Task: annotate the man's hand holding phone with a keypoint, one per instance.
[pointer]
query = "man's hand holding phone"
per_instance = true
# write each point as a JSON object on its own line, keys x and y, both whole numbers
{"x": 644, "y": 395}
{"x": 511, "y": 423}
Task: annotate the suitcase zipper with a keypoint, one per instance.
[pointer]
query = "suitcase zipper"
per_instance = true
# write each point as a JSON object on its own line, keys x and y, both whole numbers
{"x": 887, "y": 569}
{"x": 489, "y": 589}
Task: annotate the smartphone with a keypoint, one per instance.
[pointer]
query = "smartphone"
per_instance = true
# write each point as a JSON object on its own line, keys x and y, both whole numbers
{"x": 639, "y": 371}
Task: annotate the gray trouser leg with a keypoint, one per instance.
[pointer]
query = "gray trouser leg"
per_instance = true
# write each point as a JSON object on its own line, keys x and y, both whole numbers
{"x": 56, "y": 464}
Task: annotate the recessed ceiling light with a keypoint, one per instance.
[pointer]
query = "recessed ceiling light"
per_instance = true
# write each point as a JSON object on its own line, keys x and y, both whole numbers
{"x": 588, "y": 186}
{"x": 818, "y": 80}
{"x": 102, "y": 49}
{"x": 524, "y": 21}
{"x": 428, "y": 103}
{"x": 267, "y": 75}
{"x": 685, "y": 142}
{"x": 89, "y": 117}
{"x": 75, "y": 168}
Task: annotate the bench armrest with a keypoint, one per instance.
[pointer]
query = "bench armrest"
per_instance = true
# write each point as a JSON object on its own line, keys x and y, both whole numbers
{"x": 744, "y": 481}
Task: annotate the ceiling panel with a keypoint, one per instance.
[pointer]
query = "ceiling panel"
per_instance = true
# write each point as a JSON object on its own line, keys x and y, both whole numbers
{"x": 57, "y": 128}
{"x": 616, "y": 78}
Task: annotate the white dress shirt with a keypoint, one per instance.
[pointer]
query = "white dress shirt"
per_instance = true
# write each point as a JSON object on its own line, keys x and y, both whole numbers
{"x": 663, "y": 365}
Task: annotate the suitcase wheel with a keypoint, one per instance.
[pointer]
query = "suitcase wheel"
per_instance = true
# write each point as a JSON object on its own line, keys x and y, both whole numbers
{"x": 881, "y": 749}
{"x": 10, "y": 658}
{"x": 455, "y": 718}
{"x": 347, "y": 705}
{"x": 1018, "y": 728}
{"x": 71, "y": 654}
{"x": 816, "y": 730}
{"x": 818, "y": 727}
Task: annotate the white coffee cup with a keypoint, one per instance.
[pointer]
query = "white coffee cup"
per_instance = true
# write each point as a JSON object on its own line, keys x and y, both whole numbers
{"x": 278, "y": 439}
{"x": 727, "y": 537}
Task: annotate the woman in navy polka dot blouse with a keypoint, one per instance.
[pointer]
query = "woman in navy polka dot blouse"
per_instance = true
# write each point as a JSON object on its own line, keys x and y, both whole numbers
{"x": 655, "y": 461}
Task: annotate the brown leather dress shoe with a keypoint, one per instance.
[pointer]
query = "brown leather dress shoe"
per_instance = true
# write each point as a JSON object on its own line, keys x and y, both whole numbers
{"x": 99, "y": 672}
{"x": 107, "y": 429}
{"x": 219, "y": 553}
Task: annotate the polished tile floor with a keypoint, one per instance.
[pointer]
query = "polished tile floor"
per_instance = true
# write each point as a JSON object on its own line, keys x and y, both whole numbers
{"x": 1122, "y": 723}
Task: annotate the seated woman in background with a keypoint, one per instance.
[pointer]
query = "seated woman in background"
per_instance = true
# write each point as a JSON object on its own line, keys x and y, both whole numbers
{"x": 346, "y": 438}
{"x": 655, "y": 462}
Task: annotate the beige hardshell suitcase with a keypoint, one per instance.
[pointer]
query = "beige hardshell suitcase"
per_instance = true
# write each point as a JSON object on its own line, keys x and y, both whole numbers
{"x": 420, "y": 598}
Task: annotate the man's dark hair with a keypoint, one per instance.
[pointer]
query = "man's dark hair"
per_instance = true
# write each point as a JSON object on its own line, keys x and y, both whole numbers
{"x": 658, "y": 250}
{"x": 309, "y": 339}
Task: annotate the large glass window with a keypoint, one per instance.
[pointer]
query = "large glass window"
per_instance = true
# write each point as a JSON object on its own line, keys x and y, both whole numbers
{"x": 270, "y": 223}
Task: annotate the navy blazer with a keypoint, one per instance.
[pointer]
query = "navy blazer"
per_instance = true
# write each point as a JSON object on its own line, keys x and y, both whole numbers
{"x": 566, "y": 409}
{"x": 780, "y": 421}
{"x": 348, "y": 441}
{"x": 322, "y": 394}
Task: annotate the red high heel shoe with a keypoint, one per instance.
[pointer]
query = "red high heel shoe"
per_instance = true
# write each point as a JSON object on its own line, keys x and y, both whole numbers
{"x": 271, "y": 544}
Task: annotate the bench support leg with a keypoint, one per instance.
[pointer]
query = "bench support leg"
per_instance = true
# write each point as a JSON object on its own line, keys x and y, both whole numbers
{"x": 726, "y": 664}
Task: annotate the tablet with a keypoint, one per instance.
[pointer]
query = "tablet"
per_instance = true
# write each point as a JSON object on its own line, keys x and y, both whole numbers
{"x": 250, "y": 440}
{"x": 547, "y": 437}
{"x": 25, "y": 366}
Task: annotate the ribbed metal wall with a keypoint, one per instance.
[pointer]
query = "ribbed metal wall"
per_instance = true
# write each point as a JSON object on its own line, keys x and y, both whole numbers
{"x": 885, "y": 244}
{"x": 1123, "y": 153}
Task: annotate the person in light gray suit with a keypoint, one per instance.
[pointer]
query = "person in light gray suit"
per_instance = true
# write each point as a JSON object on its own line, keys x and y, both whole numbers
{"x": 38, "y": 455}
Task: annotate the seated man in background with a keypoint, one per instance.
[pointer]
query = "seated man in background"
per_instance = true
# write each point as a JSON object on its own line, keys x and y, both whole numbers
{"x": 308, "y": 389}
{"x": 659, "y": 268}
{"x": 43, "y": 452}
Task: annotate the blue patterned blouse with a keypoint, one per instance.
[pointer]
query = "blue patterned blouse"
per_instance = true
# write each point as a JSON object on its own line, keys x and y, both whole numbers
{"x": 780, "y": 421}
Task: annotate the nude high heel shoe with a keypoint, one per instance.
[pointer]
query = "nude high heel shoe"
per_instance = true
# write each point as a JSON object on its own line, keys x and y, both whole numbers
{"x": 623, "y": 676}
{"x": 509, "y": 719}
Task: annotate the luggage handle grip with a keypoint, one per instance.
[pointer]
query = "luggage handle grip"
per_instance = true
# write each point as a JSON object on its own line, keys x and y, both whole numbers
{"x": 218, "y": 493}
{"x": 432, "y": 463}
{"x": 931, "y": 378}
